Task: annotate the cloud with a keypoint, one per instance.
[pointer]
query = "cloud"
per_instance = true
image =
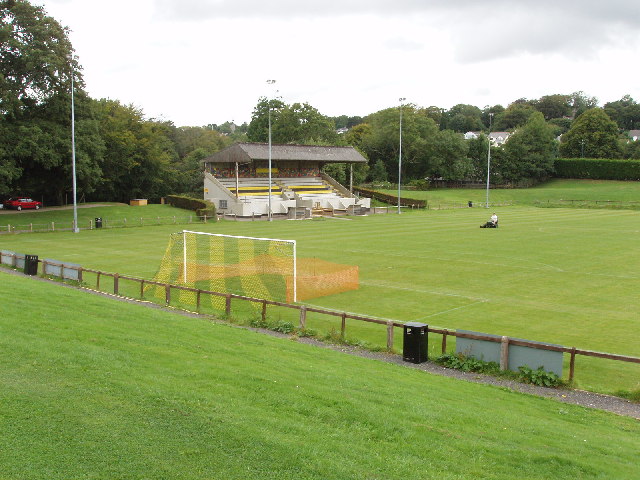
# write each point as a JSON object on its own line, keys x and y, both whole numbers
{"x": 478, "y": 31}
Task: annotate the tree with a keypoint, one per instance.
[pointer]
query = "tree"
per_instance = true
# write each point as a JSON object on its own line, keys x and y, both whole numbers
{"x": 592, "y": 135}
{"x": 489, "y": 114}
{"x": 553, "y": 106}
{"x": 449, "y": 158}
{"x": 462, "y": 118}
{"x": 36, "y": 57}
{"x": 303, "y": 124}
{"x": 580, "y": 103}
{"x": 297, "y": 123}
{"x": 418, "y": 134}
{"x": 625, "y": 112}
{"x": 258, "y": 130}
{"x": 532, "y": 149}
{"x": 514, "y": 116}
{"x": 139, "y": 154}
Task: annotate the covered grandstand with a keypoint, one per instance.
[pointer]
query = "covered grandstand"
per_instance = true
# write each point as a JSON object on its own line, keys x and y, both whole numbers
{"x": 236, "y": 180}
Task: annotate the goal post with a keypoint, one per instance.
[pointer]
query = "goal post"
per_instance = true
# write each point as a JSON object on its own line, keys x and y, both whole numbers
{"x": 253, "y": 266}
{"x": 261, "y": 268}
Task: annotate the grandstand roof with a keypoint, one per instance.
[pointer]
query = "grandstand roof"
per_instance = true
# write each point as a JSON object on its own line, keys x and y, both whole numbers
{"x": 248, "y": 152}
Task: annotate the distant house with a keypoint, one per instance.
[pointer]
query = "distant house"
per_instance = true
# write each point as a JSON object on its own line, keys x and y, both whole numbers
{"x": 497, "y": 138}
{"x": 634, "y": 135}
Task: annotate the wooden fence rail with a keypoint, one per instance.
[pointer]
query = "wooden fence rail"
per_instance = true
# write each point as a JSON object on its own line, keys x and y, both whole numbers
{"x": 304, "y": 310}
{"x": 106, "y": 223}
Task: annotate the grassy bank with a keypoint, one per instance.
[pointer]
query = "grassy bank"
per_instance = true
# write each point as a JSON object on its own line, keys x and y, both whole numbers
{"x": 110, "y": 390}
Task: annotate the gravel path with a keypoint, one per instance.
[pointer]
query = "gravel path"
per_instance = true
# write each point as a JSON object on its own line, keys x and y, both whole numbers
{"x": 583, "y": 398}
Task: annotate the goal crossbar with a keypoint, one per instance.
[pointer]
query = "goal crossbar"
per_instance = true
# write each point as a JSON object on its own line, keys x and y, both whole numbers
{"x": 291, "y": 242}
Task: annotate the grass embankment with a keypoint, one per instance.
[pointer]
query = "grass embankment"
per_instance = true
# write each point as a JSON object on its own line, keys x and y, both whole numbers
{"x": 565, "y": 276}
{"x": 554, "y": 192}
{"x": 111, "y": 390}
{"x": 111, "y": 214}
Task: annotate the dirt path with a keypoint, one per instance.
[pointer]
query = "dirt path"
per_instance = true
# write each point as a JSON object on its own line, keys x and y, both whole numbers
{"x": 583, "y": 398}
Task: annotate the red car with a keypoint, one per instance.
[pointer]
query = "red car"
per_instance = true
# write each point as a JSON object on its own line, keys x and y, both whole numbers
{"x": 22, "y": 202}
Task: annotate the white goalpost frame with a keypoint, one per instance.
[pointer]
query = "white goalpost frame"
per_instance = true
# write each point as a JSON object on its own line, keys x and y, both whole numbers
{"x": 293, "y": 242}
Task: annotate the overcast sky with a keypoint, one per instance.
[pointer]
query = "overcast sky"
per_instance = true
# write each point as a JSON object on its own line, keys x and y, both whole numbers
{"x": 196, "y": 62}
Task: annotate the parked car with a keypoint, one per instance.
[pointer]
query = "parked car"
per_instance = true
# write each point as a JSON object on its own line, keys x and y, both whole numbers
{"x": 19, "y": 203}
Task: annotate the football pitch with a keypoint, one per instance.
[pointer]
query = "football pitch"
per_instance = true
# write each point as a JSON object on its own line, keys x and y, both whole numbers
{"x": 564, "y": 276}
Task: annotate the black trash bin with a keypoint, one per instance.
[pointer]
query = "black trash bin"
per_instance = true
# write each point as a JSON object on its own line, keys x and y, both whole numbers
{"x": 31, "y": 264}
{"x": 470, "y": 203}
{"x": 415, "y": 342}
{"x": 98, "y": 222}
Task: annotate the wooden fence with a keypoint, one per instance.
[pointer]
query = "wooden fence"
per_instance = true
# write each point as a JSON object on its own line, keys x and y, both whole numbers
{"x": 105, "y": 223}
{"x": 344, "y": 316}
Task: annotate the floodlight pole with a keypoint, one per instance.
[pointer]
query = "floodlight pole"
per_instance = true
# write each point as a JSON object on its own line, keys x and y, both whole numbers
{"x": 73, "y": 157}
{"x": 489, "y": 158}
{"x": 269, "y": 217}
{"x": 401, "y": 99}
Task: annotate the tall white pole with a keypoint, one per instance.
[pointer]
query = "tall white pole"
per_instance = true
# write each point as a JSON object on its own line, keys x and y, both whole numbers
{"x": 73, "y": 157}
{"x": 270, "y": 82}
{"x": 489, "y": 159}
{"x": 402, "y": 99}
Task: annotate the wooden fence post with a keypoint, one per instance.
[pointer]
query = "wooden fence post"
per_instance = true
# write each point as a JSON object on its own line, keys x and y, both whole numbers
{"x": 115, "y": 283}
{"x": 504, "y": 353}
{"x": 228, "y": 305}
{"x": 80, "y": 274}
{"x": 303, "y": 317}
{"x": 444, "y": 342}
{"x": 264, "y": 310}
{"x": 167, "y": 294}
{"x": 572, "y": 363}
{"x": 343, "y": 326}
{"x": 390, "y": 335}
{"x": 198, "y": 293}
{"x": 142, "y": 289}
{"x": 98, "y": 281}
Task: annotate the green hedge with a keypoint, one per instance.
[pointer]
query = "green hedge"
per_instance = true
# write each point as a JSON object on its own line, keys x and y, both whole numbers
{"x": 201, "y": 207}
{"x": 393, "y": 200}
{"x": 597, "y": 168}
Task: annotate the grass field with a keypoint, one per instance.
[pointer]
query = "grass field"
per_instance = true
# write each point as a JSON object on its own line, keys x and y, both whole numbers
{"x": 565, "y": 276}
{"x": 552, "y": 192}
{"x": 112, "y": 390}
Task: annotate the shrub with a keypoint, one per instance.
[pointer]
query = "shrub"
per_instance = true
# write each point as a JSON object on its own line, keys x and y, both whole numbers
{"x": 201, "y": 207}
{"x": 597, "y": 168}
{"x": 538, "y": 377}
{"x": 525, "y": 374}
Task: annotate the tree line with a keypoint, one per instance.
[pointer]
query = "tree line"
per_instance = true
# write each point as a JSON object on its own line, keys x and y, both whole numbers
{"x": 121, "y": 154}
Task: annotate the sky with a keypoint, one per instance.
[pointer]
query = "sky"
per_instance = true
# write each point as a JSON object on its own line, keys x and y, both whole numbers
{"x": 197, "y": 62}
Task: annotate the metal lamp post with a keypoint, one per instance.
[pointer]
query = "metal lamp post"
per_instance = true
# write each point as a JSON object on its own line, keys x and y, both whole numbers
{"x": 73, "y": 157}
{"x": 489, "y": 158}
{"x": 270, "y": 82}
{"x": 401, "y": 99}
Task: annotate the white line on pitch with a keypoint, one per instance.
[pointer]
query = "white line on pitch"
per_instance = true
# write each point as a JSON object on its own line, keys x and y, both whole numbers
{"x": 384, "y": 285}
{"x": 450, "y": 310}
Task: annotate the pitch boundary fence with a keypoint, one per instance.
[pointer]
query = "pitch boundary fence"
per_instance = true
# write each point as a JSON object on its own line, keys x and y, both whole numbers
{"x": 105, "y": 223}
{"x": 304, "y": 309}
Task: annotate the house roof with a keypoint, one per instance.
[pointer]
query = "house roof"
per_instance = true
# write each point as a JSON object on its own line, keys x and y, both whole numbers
{"x": 248, "y": 152}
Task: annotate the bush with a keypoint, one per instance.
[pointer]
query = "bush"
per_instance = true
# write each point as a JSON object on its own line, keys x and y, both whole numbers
{"x": 538, "y": 377}
{"x": 201, "y": 207}
{"x": 598, "y": 168}
{"x": 525, "y": 374}
{"x": 467, "y": 364}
